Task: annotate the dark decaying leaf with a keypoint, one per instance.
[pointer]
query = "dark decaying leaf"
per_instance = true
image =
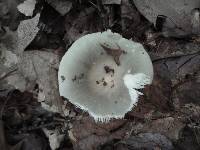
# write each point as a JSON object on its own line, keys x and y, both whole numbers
{"x": 29, "y": 141}
{"x": 183, "y": 73}
{"x": 189, "y": 140}
{"x": 79, "y": 23}
{"x": 17, "y": 107}
{"x": 51, "y": 21}
{"x": 9, "y": 14}
{"x": 62, "y": 6}
{"x": 149, "y": 141}
{"x": 160, "y": 91}
{"x": 52, "y": 29}
{"x": 130, "y": 16}
{"x": 23, "y": 120}
{"x": 3, "y": 142}
{"x": 21, "y": 141}
{"x": 169, "y": 126}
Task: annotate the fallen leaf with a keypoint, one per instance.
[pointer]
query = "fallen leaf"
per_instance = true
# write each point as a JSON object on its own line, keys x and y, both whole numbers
{"x": 169, "y": 126}
{"x": 86, "y": 21}
{"x": 63, "y": 7}
{"x": 3, "y": 141}
{"x": 176, "y": 16}
{"x": 26, "y": 32}
{"x": 10, "y": 78}
{"x": 40, "y": 67}
{"x": 27, "y": 7}
{"x": 148, "y": 141}
{"x": 9, "y": 13}
{"x": 159, "y": 92}
{"x": 90, "y": 135}
{"x": 130, "y": 16}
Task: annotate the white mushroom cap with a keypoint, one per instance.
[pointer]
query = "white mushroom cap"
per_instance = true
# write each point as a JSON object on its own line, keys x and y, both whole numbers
{"x": 100, "y": 83}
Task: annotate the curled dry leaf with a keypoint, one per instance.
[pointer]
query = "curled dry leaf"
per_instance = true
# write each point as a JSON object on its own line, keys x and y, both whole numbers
{"x": 177, "y": 18}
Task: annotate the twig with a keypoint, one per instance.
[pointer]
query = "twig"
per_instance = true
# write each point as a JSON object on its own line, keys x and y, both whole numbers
{"x": 174, "y": 56}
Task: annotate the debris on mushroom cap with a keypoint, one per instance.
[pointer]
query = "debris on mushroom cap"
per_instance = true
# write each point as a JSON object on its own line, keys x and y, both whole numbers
{"x": 101, "y": 73}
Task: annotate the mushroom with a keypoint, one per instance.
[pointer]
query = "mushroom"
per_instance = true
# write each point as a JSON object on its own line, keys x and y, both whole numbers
{"x": 101, "y": 72}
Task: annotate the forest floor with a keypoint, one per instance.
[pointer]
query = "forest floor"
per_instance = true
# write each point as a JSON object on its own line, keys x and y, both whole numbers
{"x": 166, "y": 117}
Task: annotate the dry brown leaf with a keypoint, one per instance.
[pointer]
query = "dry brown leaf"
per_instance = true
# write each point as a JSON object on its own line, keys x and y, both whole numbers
{"x": 41, "y": 67}
{"x": 90, "y": 135}
{"x": 170, "y": 127}
{"x": 149, "y": 141}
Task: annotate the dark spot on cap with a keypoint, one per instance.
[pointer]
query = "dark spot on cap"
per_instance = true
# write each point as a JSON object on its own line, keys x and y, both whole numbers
{"x": 108, "y": 69}
{"x": 124, "y": 52}
{"x": 74, "y": 79}
{"x": 104, "y": 83}
{"x": 97, "y": 82}
{"x": 63, "y": 78}
{"x": 78, "y": 77}
{"x": 82, "y": 75}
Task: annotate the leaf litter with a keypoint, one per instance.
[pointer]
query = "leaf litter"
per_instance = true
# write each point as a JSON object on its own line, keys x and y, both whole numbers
{"x": 165, "y": 117}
